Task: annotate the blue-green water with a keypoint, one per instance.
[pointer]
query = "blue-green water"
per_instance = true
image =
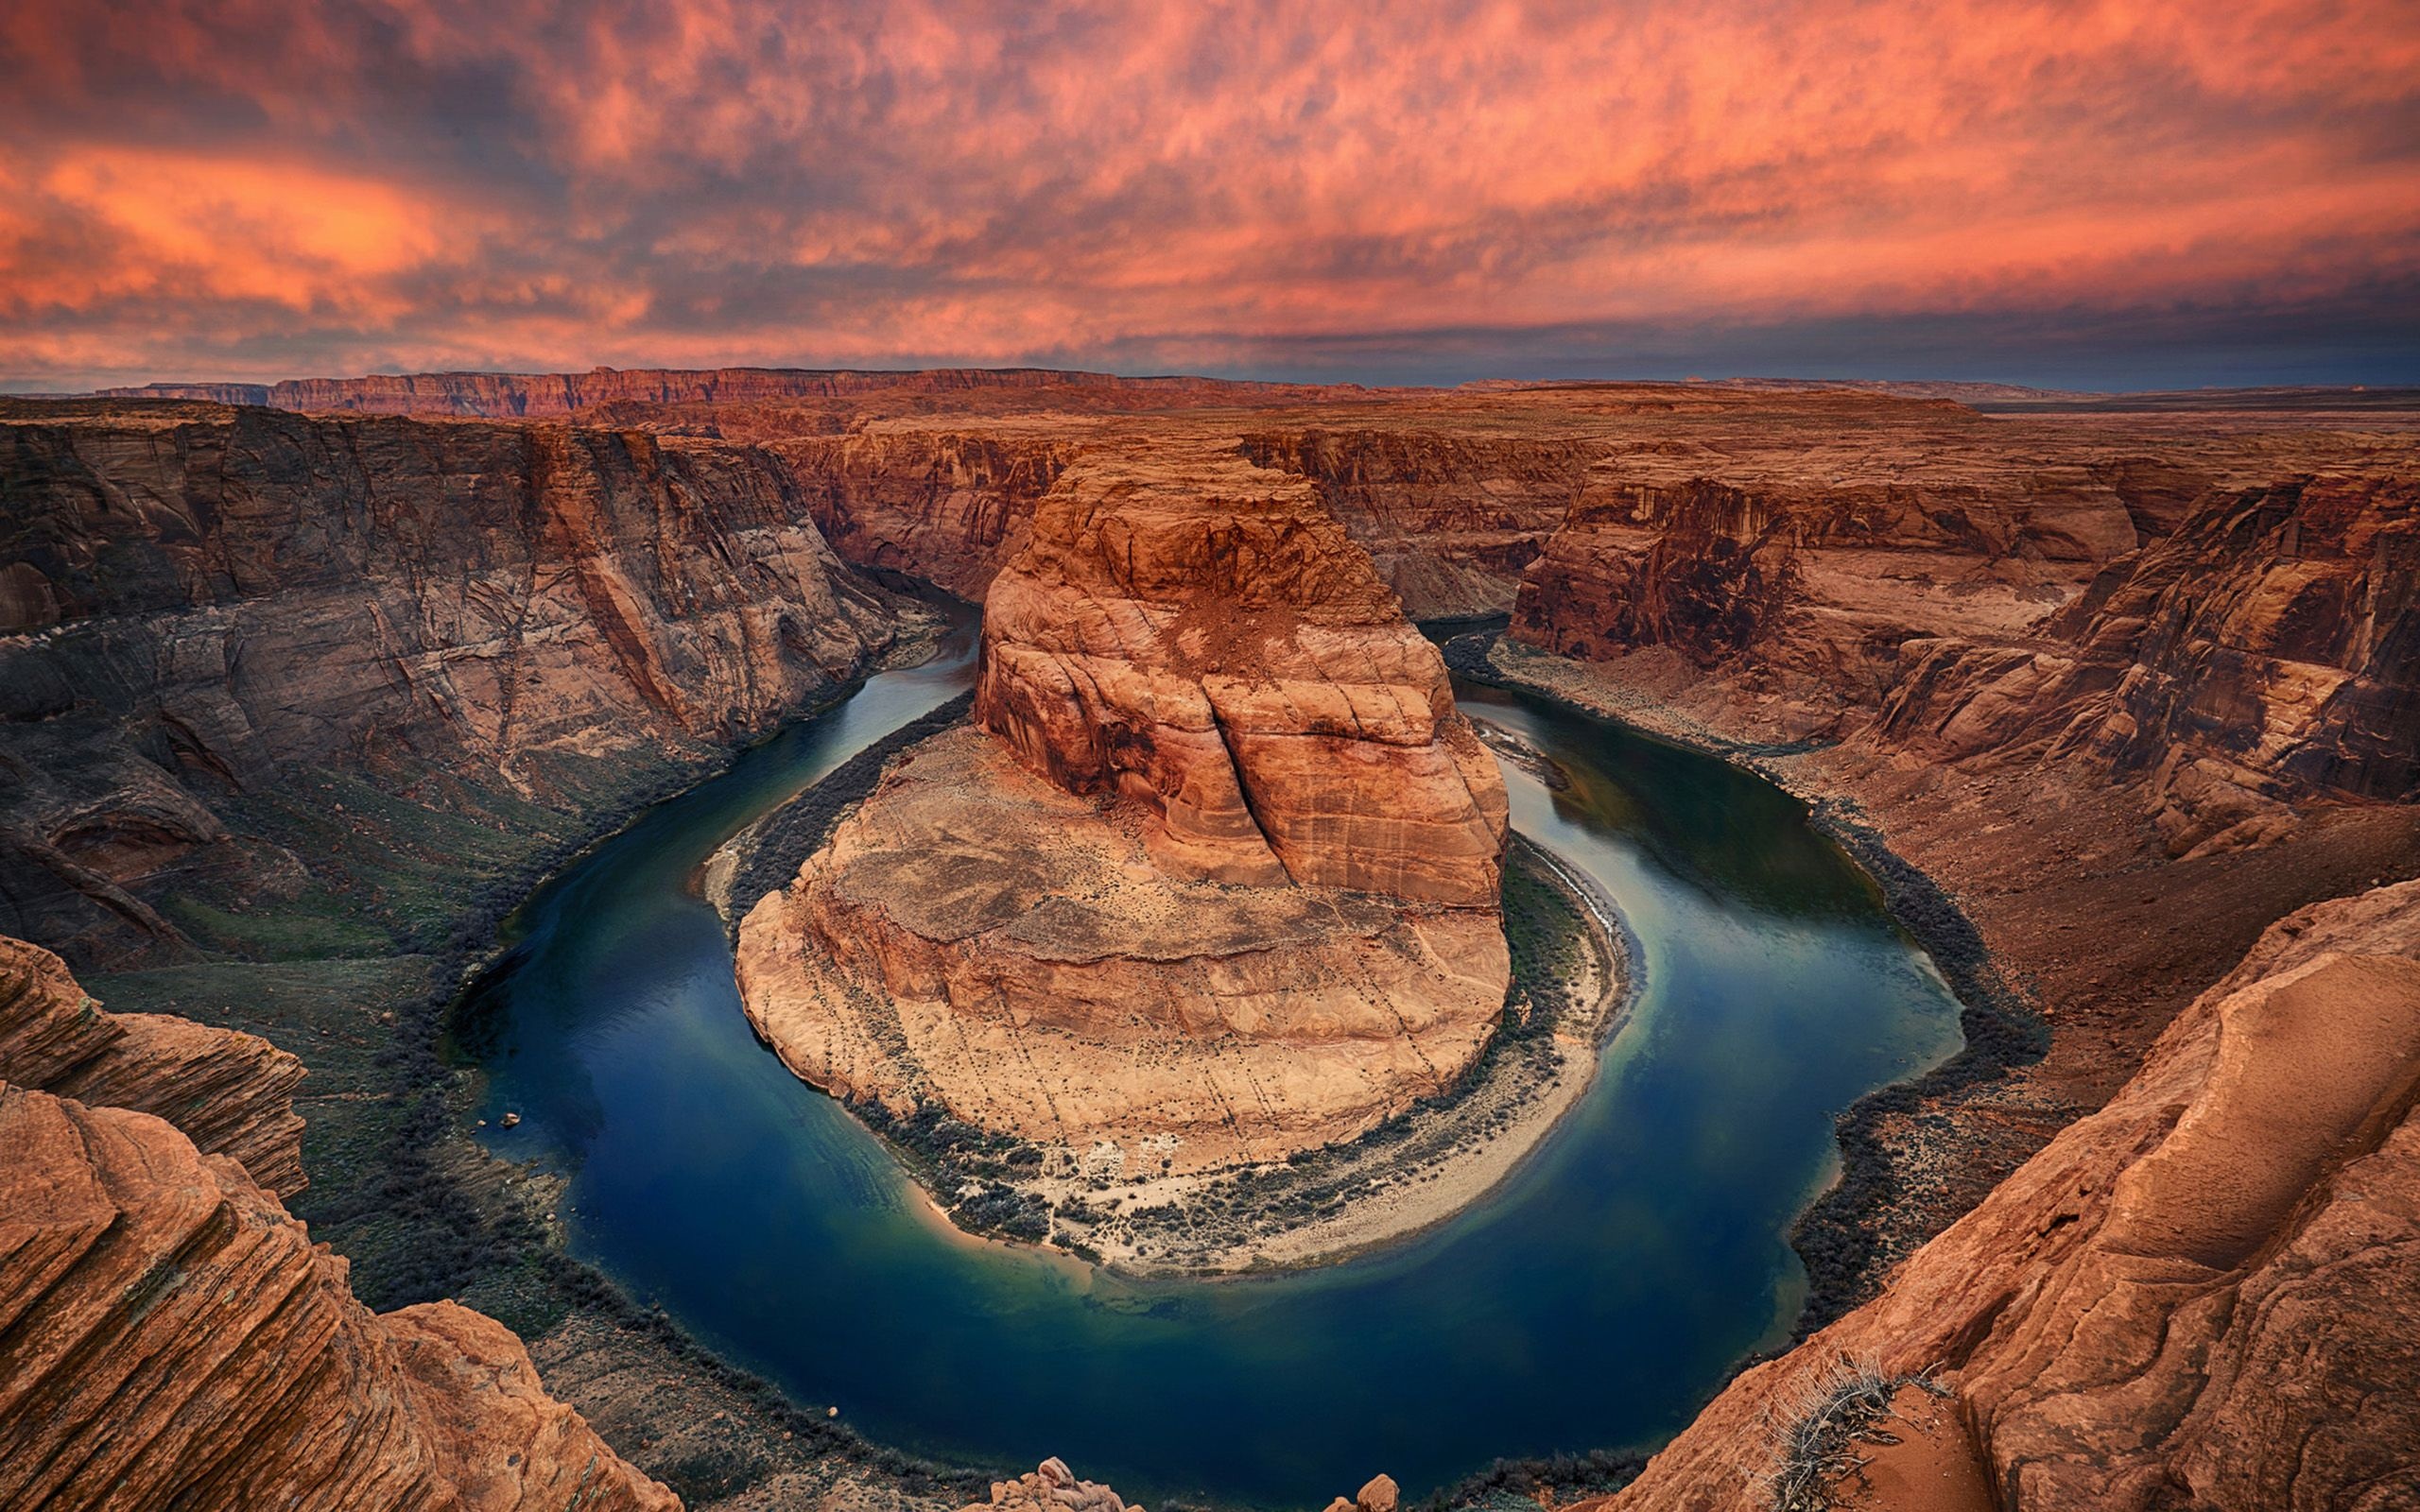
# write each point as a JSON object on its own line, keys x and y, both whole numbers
{"x": 1594, "y": 1301}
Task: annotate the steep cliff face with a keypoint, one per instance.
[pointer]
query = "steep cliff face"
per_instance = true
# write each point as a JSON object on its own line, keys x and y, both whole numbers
{"x": 949, "y": 506}
{"x": 230, "y": 1093}
{"x": 2197, "y": 1296}
{"x": 1803, "y": 586}
{"x": 1215, "y": 882}
{"x": 1197, "y": 634}
{"x": 193, "y": 598}
{"x": 2268, "y": 650}
{"x": 169, "y": 1337}
{"x": 1449, "y": 520}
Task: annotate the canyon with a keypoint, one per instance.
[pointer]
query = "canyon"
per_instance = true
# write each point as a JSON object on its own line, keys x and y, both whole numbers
{"x": 296, "y": 676}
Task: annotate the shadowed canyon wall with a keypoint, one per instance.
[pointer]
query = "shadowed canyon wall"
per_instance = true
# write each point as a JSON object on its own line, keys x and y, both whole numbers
{"x": 195, "y": 599}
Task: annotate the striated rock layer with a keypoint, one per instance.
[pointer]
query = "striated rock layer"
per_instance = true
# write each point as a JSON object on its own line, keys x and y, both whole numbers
{"x": 2262, "y": 650}
{"x": 2198, "y": 1296}
{"x": 2268, "y": 649}
{"x": 1198, "y": 635}
{"x": 192, "y": 598}
{"x": 1216, "y": 880}
{"x": 977, "y": 938}
{"x": 171, "y": 1337}
{"x": 232, "y": 1093}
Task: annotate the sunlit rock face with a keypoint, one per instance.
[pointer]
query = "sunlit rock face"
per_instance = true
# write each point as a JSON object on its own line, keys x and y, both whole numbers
{"x": 170, "y": 1336}
{"x": 1197, "y": 634}
{"x": 2198, "y": 1296}
{"x": 231, "y": 1092}
{"x": 1214, "y": 878}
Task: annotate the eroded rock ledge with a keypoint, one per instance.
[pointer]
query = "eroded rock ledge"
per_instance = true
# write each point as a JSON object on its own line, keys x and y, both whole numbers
{"x": 2198, "y": 1295}
{"x": 1217, "y": 882}
{"x": 233, "y": 1093}
{"x": 170, "y": 1336}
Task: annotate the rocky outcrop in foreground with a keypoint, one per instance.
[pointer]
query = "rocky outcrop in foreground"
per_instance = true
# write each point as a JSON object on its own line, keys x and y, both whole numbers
{"x": 1216, "y": 880}
{"x": 232, "y": 1093}
{"x": 2198, "y": 1296}
{"x": 1051, "y": 1488}
{"x": 192, "y": 599}
{"x": 170, "y": 1336}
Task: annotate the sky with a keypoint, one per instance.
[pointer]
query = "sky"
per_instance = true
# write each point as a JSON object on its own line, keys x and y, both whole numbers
{"x": 2096, "y": 193}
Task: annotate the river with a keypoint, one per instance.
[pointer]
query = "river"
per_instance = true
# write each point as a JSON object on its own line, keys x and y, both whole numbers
{"x": 1593, "y": 1300}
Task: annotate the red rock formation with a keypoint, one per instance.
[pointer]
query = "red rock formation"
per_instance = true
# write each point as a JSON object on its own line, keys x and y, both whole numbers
{"x": 229, "y": 1092}
{"x": 976, "y": 938}
{"x": 1052, "y": 1488}
{"x": 1238, "y": 900}
{"x": 947, "y": 506}
{"x": 2267, "y": 651}
{"x": 2198, "y": 1296}
{"x": 197, "y": 596}
{"x": 1449, "y": 520}
{"x": 169, "y": 1337}
{"x": 1198, "y": 634}
{"x": 1803, "y": 584}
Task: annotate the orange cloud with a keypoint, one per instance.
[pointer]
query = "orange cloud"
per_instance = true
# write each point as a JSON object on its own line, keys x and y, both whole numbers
{"x": 540, "y": 183}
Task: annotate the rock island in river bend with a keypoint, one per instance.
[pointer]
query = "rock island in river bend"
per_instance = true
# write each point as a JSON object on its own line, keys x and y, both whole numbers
{"x": 1212, "y": 880}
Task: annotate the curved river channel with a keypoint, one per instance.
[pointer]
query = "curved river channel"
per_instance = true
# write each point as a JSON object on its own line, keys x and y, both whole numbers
{"x": 1593, "y": 1300}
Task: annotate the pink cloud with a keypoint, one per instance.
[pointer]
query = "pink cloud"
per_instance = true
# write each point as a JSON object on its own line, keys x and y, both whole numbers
{"x": 544, "y": 183}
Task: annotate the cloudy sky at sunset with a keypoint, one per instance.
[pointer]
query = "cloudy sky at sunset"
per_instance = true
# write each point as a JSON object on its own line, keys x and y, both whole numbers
{"x": 2087, "y": 193}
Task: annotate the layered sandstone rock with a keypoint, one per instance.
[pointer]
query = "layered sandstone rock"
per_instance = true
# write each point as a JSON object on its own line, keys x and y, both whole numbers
{"x": 171, "y": 1337}
{"x": 2198, "y": 1295}
{"x": 232, "y": 1093}
{"x": 191, "y": 598}
{"x": 1215, "y": 882}
{"x": 1803, "y": 585}
{"x": 1449, "y": 520}
{"x": 977, "y": 938}
{"x": 947, "y": 506}
{"x": 2268, "y": 649}
{"x": 1198, "y": 634}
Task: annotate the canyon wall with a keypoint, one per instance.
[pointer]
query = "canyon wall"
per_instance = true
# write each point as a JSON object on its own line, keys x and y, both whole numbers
{"x": 1214, "y": 880}
{"x": 557, "y": 395}
{"x": 192, "y": 599}
{"x": 2262, "y": 648}
{"x": 2267, "y": 650}
{"x": 1450, "y": 520}
{"x": 947, "y": 506}
{"x": 1804, "y": 585}
{"x": 2198, "y": 1296}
